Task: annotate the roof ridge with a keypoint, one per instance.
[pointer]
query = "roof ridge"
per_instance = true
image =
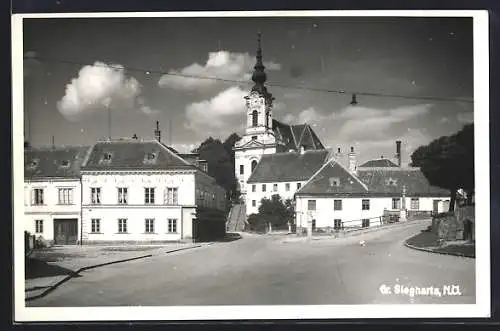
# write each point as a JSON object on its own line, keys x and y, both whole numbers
{"x": 174, "y": 154}
{"x": 313, "y": 175}
{"x": 351, "y": 174}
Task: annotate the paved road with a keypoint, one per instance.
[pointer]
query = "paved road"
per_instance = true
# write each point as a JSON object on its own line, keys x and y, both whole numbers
{"x": 266, "y": 271}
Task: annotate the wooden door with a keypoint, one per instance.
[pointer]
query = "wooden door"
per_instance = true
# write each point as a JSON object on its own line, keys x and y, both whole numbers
{"x": 65, "y": 231}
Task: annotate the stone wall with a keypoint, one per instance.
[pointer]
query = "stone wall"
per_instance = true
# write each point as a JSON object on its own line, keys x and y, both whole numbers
{"x": 458, "y": 225}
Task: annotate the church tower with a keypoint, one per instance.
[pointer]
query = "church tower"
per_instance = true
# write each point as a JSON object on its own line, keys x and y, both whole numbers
{"x": 259, "y": 136}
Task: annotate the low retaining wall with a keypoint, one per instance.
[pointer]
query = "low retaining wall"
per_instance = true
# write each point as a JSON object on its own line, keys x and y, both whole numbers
{"x": 457, "y": 225}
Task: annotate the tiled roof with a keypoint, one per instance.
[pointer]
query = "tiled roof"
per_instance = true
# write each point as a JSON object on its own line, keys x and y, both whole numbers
{"x": 298, "y": 135}
{"x": 42, "y": 163}
{"x": 288, "y": 166}
{"x": 333, "y": 178}
{"x": 378, "y": 163}
{"x": 381, "y": 181}
{"x": 133, "y": 154}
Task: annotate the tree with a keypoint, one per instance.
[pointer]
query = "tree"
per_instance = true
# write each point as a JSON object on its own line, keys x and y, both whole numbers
{"x": 220, "y": 160}
{"x": 448, "y": 162}
{"x": 275, "y": 211}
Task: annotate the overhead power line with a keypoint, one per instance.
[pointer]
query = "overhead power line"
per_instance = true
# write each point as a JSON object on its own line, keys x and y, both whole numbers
{"x": 271, "y": 84}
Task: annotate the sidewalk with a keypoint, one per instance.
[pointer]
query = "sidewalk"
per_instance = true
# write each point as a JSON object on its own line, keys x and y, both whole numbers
{"x": 48, "y": 268}
{"x": 428, "y": 241}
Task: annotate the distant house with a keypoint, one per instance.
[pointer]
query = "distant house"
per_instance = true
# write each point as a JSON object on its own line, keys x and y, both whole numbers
{"x": 335, "y": 195}
{"x": 52, "y": 193}
{"x": 143, "y": 191}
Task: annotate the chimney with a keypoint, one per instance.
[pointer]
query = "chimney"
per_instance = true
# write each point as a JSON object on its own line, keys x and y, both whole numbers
{"x": 134, "y": 137}
{"x": 352, "y": 161}
{"x": 398, "y": 152}
{"x": 158, "y": 132}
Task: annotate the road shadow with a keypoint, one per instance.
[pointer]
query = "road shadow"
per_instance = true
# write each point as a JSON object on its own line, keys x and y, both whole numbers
{"x": 230, "y": 236}
{"x": 36, "y": 268}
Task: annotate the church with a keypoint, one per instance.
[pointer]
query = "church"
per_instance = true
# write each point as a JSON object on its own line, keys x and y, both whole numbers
{"x": 329, "y": 188}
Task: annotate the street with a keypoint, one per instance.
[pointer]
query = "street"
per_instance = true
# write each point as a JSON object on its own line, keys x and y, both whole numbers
{"x": 264, "y": 270}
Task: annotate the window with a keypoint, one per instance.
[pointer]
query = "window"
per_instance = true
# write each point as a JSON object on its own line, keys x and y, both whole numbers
{"x": 337, "y": 224}
{"x": 365, "y": 223}
{"x": 254, "y": 137}
{"x": 337, "y": 204}
{"x": 311, "y": 204}
{"x": 122, "y": 225}
{"x": 37, "y": 197}
{"x": 254, "y": 203}
{"x": 255, "y": 116}
{"x": 64, "y": 163}
{"x": 298, "y": 185}
{"x": 149, "y": 195}
{"x": 254, "y": 188}
{"x": 95, "y": 225}
{"x": 254, "y": 164}
{"x": 365, "y": 204}
{"x": 275, "y": 187}
{"x": 287, "y": 186}
{"x": 334, "y": 181}
{"x": 106, "y": 158}
{"x": 396, "y": 203}
{"x": 122, "y": 195}
{"x": 415, "y": 203}
{"x": 171, "y": 194}
{"x": 149, "y": 225}
{"x": 263, "y": 187}
{"x": 34, "y": 163}
{"x": 39, "y": 226}
{"x": 172, "y": 225}
{"x": 242, "y": 169}
{"x": 95, "y": 195}
{"x": 65, "y": 196}
{"x": 150, "y": 156}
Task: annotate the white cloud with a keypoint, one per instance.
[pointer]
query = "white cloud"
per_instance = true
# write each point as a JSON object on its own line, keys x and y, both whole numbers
{"x": 309, "y": 115}
{"x": 144, "y": 108}
{"x": 31, "y": 65}
{"x": 368, "y": 123}
{"x": 221, "y": 64}
{"x": 98, "y": 86}
{"x": 217, "y": 112}
{"x": 465, "y": 117}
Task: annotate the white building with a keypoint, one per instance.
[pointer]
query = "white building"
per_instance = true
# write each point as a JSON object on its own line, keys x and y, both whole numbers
{"x": 142, "y": 191}
{"x": 52, "y": 193}
{"x": 337, "y": 196}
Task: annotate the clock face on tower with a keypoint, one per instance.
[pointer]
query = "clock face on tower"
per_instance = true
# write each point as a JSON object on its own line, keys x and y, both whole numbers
{"x": 255, "y": 101}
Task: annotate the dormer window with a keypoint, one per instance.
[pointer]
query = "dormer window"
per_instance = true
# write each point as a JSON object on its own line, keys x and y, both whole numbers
{"x": 64, "y": 163}
{"x": 106, "y": 157}
{"x": 150, "y": 157}
{"x": 34, "y": 163}
{"x": 334, "y": 182}
{"x": 254, "y": 137}
{"x": 391, "y": 182}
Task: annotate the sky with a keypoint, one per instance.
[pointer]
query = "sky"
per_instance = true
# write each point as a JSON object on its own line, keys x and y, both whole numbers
{"x": 76, "y": 69}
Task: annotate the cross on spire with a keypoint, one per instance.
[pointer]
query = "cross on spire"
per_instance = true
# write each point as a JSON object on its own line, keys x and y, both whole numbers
{"x": 259, "y": 76}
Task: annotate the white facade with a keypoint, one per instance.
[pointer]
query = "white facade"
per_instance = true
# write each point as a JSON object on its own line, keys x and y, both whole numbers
{"x": 256, "y": 193}
{"x": 352, "y": 212}
{"x": 46, "y": 200}
{"x": 166, "y": 217}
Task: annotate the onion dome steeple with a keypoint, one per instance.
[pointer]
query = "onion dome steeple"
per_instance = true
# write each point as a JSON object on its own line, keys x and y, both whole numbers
{"x": 259, "y": 76}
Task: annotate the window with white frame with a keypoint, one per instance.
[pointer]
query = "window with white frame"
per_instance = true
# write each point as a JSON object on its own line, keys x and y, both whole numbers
{"x": 287, "y": 187}
{"x": 38, "y": 226}
{"x": 396, "y": 203}
{"x": 242, "y": 169}
{"x": 263, "y": 187}
{"x": 337, "y": 224}
{"x": 149, "y": 195}
{"x": 365, "y": 223}
{"x": 311, "y": 204}
{"x": 149, "y": 225}
{"x": 122, "y": 225}
{"x": 65, "y": 196}
{"x": 254, "y": 188}
{"x": 337, "y": 204}
{"x": 95, "y": 225}
{"x": 254, "y": 203}
{"x": 365, "y": 204}
{"x": 37, "y": 196}
{"x": 172, "y": 225}
{"x": 275, "y": 187}
{"x": 299, "y": 185}
{"x": 122, "y": 195}
{"x": 415, "y": 203}
{"x": 95, "y": 195}
{"x": 171, "y": 194}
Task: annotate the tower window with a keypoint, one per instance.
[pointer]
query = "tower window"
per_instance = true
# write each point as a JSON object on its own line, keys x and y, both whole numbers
{"x": 255, "y": 116}
{"x": 242, "y": 169}
{"x": 254, "y": 164}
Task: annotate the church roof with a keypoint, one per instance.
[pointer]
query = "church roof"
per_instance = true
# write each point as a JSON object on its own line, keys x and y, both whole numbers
{"x": 298, "y": 135}
{"x": 288, "y": 166}
{"x": 334, "y": 180}
{"x": 378, "y": 163}
{"x": 133, "y": 154}
{"x": 60, "y": 162}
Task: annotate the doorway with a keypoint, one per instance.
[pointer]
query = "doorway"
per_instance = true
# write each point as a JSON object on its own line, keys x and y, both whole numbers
{"x": 66, "y": 231}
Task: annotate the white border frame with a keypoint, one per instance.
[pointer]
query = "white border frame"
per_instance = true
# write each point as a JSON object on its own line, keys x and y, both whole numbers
{"x": 482, "y": 308}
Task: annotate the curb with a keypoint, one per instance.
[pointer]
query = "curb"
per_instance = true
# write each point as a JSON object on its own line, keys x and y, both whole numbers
{"x": 429, "y": 250}
{"x": 75, "y": 273}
